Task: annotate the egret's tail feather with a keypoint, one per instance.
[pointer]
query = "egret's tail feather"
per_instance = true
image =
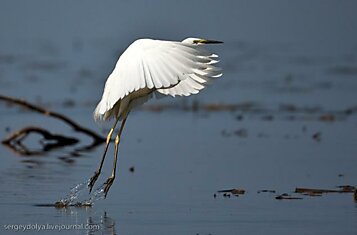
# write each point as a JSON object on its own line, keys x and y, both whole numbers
{"x": 101, "y": 113}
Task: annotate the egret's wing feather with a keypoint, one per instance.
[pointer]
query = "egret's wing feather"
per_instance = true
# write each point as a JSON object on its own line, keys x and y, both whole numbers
{"x": 171, "y": 68}
{"x": 203, "y": 71}
{"x": 147, "y": 63}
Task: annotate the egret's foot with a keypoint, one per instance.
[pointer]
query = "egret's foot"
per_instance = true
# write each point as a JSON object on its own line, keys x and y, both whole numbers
{"x": 93, "y": 180}
{"x": 108, "y": 184}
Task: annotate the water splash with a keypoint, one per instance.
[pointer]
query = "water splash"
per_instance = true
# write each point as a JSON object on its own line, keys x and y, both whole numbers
{"x": 78, "y": 196}
{"x": 98, "y": 194}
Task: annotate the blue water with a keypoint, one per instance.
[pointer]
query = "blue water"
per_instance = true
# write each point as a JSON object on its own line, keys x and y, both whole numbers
{"x": 290, "y": 63}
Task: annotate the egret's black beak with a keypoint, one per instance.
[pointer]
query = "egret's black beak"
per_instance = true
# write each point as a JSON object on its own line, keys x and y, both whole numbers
{"x": 205, "y": 41}
{"x": 211, "y": 42}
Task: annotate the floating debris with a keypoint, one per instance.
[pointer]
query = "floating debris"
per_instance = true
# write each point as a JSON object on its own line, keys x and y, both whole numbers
{"x": 314, "y": 192}
{"x": 132, "y": 169}
{"x": 351, "y": 110}
{"x": 243, "y": 133}
{"x": 347, "y": 188}
{"x": 266, "y": 191}
{"x": 317, "y": 136}
{"x": 327, "y": 118}
{"x": 286, "y": 196}
{"x": 239, "y": 117}
{"x": 234, "y": 191}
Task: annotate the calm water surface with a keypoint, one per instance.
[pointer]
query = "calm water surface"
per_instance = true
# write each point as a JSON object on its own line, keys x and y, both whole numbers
{"x": 287, "y": 66}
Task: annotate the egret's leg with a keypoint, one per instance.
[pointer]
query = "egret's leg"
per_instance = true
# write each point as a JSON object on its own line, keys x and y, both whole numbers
{"x": 97, "y": 172}
{"x": 110, "y": 180}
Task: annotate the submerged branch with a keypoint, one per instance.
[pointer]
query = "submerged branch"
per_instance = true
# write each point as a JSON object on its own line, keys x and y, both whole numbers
{"x": 97, "y": 139}
{"x": 19, "y": 135}
{"x": 51, "y": 141}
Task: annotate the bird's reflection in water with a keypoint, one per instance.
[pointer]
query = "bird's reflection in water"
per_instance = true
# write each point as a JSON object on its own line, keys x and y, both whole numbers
{"x": 108, "y": 224}
{"x": 96, "y": 222}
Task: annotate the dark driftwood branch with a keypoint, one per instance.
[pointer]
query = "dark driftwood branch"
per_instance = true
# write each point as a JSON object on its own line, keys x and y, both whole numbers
{"x": 14, "y": 141}
{"x": 96, "y": 138}
{"x": 19, "y": 135}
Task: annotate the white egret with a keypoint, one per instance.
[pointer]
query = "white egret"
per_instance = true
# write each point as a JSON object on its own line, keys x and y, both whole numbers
{"x": 146, "y": 67}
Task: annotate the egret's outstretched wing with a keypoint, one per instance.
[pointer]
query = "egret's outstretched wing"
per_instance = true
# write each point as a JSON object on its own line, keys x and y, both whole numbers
{"x": 173, "y": 68}
{"x": 199, "y": 78}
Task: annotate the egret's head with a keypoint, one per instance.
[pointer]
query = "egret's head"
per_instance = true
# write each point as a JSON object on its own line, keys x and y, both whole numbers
{"x": 200, "y": 41}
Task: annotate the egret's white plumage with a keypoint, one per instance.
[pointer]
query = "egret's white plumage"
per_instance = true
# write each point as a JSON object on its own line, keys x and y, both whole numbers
{"x": 147, "y": 66}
